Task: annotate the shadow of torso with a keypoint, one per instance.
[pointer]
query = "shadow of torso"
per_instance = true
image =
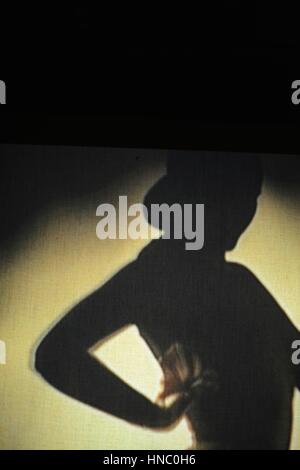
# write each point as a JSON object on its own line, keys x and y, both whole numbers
{"x": 221, "y": 312}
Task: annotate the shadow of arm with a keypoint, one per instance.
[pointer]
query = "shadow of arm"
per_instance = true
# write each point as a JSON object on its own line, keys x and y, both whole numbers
{"x": 63, "y": 360}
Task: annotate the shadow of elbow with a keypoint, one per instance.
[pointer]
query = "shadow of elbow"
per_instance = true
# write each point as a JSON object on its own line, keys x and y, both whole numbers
{"x": 46, "y": 361}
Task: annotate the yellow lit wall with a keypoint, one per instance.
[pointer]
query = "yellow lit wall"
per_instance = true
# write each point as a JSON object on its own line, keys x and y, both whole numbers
{"x": 59, "y": 261}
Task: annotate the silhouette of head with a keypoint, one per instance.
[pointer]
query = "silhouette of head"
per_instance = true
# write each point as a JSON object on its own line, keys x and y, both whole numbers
{"x": 227, "y": 184}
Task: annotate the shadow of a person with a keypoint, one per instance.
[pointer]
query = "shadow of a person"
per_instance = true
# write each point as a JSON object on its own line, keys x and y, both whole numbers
{"x": 223, "y": 342}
